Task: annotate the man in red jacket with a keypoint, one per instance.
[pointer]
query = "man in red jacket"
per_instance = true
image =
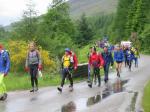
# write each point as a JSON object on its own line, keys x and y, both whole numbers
{"x": 96, "y": 62}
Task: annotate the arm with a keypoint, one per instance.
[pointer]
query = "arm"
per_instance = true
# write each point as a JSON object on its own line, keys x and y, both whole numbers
{"x": 101, "y": 60}
{"x": 40, "y": 59}
{"x": 27, "y": 60}
{"x": 7, "y": 64}
{"x": 115, "y": 56}
{"x": 111, "y": 59}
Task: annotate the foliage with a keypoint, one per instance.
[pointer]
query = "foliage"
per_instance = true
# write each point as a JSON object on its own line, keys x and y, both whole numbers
{"x": 85, "y": 32}
{"x": 18, "y": 53}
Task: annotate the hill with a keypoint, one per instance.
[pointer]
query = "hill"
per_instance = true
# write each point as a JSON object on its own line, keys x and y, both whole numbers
{"x": 92, "y": 7}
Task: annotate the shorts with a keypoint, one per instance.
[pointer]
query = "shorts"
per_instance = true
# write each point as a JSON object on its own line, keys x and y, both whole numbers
{"x": 118, "y": 62}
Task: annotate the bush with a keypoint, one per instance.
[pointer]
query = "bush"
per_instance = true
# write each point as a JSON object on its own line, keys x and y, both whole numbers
{"x": 18, "y": 52}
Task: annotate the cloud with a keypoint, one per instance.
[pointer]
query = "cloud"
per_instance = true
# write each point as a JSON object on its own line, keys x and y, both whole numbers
{"x": 12, "y": 10}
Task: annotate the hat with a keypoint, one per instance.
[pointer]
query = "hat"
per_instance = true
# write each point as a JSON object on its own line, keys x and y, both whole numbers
{"x": 67, "y": 50}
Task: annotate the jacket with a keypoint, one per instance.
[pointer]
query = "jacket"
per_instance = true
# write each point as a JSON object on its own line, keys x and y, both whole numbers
{"x": 118, "y": 55}
{"x": 96, "y": 60}
{"x": 4, "y": 62}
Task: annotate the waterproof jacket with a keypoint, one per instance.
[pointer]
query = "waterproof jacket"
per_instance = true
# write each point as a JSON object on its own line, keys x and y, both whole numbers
{"x": 130, "y": 55}
{"x": 4, "y": 62}
{"x": 96, "y": 60}
{"x": 119, "y": 56}
{"x": 108, "y": 59}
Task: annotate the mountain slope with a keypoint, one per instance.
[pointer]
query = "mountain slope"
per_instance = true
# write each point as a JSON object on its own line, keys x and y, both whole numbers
{"x": 92, "y": 7}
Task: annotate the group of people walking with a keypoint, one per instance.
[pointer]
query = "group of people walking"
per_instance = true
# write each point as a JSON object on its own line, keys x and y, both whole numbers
{"x": 96, "y": 61}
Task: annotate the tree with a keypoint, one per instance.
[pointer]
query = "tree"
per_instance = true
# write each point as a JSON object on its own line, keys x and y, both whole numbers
{"x": 121, "y": 19}
{"x": 26, "y": 28}
{"x": 2, "y": 32}
{"x": 85, "y": 32}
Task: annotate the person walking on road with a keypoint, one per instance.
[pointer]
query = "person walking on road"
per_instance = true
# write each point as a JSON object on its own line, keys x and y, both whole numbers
{"x": 89, "y": 71}
{"x": 67, "y": 68}
{"x": 130, "y": 57}
{"x": 118, "y": 58}
{"x": 96, "y": 62}
{"x": 108, "y": 59}
{"x": 4, "y": 69}
{"x": 33, "y": 65}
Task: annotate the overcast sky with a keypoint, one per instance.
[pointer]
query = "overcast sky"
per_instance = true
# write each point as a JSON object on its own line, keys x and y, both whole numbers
{"x": 12, "y": 10}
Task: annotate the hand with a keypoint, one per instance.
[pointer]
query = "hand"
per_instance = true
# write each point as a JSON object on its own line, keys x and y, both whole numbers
{"x": 27, "y": 69}
{"x": 5, "y": 74}
{"x": 40, "y": 67}
{"x": 111, "y": 67}
{"x": 101, "y": 67}
{"x": 75, "y": 68}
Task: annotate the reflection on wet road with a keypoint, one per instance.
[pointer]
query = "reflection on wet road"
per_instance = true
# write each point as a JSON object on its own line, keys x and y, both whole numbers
{"x": 110, "y": 88}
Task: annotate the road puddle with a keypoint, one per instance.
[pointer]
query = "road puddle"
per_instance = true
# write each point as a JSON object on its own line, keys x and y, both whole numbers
{"x": 83, "y": 103}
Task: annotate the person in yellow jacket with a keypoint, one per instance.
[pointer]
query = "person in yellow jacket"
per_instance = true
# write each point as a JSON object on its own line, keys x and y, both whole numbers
{"x": 66, "y": 72}
{"x": 136, "y": 55}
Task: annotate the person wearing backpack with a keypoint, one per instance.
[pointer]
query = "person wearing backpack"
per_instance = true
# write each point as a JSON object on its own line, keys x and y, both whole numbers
{"x": 89, "y": 71}
{"x": 67, "y": 68}
{"x": 4, "y": 69}
{"x": 108, "y": 59}
{"x": 96, "y": 62}
{"x": 33, "y": 64}
{"x": 130, "y": 57}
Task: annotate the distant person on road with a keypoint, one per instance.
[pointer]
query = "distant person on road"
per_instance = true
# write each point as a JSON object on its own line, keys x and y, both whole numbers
{"x": 89, "y": 71}
{"x": 96, "y": 63}
{"x": 69, "y": 63}
{"x": 125, "y": 48}
{"x": 130, "y": 57}
{"x": 136, "y": 56}
{"x": 33, "y": 65}
{"x": 118, "y": 58}
{"x": 108, "y": 59}
{"x": 4, "y": 69}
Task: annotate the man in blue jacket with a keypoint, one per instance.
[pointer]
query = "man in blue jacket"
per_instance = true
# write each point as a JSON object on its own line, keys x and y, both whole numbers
{"x": 130, "y": 57}
{"x": 108, "y": 59}
{"x": 4, "y": 69}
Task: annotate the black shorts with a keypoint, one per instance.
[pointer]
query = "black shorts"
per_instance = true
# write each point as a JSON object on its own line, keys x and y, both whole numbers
{"x": 118, "y": 62}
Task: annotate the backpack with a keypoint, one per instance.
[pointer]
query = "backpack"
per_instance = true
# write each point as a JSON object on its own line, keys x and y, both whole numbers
{"x": 5, "y": 58}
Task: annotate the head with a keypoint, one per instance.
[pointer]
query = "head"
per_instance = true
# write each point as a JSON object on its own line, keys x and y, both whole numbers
{"x": 32, "y": 46}
{"x": 94, "y": 50}
{"x": 1, "y": 47}
{"x": 117, "y": 47}
{"x": 90, "y": 49}
{"x": 105, "y": 48}
{"x": 67, "y": 51}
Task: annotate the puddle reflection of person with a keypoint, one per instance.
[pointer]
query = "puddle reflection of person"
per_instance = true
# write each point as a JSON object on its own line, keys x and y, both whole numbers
{"x": 70, "y": 107}
{"x": 93, "y": 100}
{"x": 118, "y": 86}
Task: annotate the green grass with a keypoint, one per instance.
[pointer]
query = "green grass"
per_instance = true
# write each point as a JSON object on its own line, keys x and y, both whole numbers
{"x": 22, "y": 81}
{"x": 146, "y": 98}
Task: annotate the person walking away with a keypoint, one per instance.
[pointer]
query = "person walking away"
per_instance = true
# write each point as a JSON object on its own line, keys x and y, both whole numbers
{"x": 89, "y": 71}
{"x": 118, "y": 58}
{"x": 125, "y": 56}
{"x": 4, "y": 69}
{"x": 66, "y": 62}
{"x": 33, "y": 64}
{"x": 96, "y": 63}
{"x": 130, "y": 57}
{"x": 136, "y": 56}
{"x": 108, "y": 59}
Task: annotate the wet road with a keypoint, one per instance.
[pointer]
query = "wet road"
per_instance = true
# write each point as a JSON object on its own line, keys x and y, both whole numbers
{"x": 116, "y": 96}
